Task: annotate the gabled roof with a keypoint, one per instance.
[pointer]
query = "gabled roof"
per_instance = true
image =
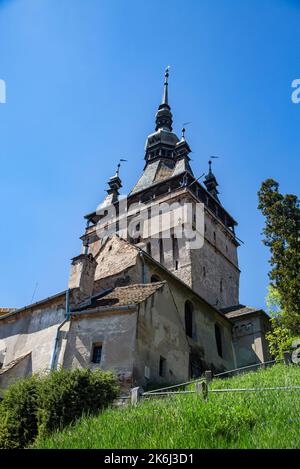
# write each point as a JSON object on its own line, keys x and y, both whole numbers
{"x": 121, "y": 296}
{"x": 114, "y": 256}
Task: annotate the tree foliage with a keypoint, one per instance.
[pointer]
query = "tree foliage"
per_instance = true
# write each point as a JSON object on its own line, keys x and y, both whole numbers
{"x": 281, "y": 231}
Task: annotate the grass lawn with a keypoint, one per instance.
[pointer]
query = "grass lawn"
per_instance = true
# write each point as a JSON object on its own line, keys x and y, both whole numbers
{"x": 227, "y": 420}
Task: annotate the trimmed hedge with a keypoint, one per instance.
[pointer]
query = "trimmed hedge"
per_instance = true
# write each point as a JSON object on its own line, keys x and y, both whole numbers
{"x": 38, "y": 405}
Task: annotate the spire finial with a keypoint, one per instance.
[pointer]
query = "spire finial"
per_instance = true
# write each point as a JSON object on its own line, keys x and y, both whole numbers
{"x": 118, "y": 167}
{"x": 209, "y": 163}
{"x": 166, "y": 84}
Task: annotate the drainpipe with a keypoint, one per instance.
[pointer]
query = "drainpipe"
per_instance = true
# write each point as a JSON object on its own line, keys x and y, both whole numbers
{"x": 56, "y": 340}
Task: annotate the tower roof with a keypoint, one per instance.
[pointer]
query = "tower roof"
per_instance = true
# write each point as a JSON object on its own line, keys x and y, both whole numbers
{"x": 164, "y": 119}
{"x": 211, "y": 183}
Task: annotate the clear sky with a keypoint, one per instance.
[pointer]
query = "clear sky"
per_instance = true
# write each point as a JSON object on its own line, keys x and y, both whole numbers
{"x": 84, "y": 79}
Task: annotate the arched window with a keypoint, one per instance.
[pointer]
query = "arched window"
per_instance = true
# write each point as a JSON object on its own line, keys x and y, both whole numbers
{"x": 155, "y": 278}
{"x": 218, "y": 336}
{"x": 188, "y": 317}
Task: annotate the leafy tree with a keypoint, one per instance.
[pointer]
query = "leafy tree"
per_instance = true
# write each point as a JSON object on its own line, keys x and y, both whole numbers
{"x": 279, "y": 337}
{"x": 282, "y": 228}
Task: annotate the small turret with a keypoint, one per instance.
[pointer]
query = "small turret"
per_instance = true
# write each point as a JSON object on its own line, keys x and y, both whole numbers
{"x": 211, "y": 183}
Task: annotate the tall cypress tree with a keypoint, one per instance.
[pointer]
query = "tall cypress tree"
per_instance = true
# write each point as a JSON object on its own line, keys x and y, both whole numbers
{"x": 282, "y": 236}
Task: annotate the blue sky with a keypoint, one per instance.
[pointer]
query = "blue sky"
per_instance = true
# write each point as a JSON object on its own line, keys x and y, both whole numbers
{"x": 84, "y": 79}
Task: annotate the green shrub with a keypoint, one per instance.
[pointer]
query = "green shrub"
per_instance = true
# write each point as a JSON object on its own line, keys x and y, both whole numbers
{"x": 64, "y": 396}
{"x": 37, "y": 405}
{"x": 18, "y": 417}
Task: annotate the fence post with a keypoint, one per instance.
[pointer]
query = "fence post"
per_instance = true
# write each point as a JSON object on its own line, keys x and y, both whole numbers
{"x": 136, "y": 395}
{"x": 201, "y": 388}
{"x": 208, "y": 376}
{"x": 287, "y": 358}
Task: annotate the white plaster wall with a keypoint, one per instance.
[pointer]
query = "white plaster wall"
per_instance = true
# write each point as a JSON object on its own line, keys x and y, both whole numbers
{"x": 31, "y": 331}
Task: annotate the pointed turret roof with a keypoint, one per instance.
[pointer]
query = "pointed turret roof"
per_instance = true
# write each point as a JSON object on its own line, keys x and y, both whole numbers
{"x": 211, "y": 183}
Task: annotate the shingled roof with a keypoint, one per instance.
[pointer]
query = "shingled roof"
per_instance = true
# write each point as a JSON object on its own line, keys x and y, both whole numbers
{"x": 6, "y": 310}
{"x": 240, "y": 310}
{"x": 123, "y": 296}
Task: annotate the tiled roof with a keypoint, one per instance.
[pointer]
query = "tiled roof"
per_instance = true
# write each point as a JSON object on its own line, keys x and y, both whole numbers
{"x": 6, "y": 310}
{"x": 13, "y": 363}
{"x": 239, "y": 310}
{"x": 124, "y": 296}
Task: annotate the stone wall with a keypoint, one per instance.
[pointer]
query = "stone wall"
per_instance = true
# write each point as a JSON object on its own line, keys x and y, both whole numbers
{"x": 205, "y": 319}
{"x": 31, "y": 330}
{"x": 249, "y": 339}
{"x": 114, "y": 330}
{"x": 160, "y": 335}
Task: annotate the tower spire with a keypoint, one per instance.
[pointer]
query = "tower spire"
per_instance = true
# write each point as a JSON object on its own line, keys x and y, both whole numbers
{"x": 166, "y": 84}
{"x": 164, "y": 116}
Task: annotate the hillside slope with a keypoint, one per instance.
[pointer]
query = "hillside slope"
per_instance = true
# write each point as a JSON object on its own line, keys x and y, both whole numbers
{"x": 266, "y": 419}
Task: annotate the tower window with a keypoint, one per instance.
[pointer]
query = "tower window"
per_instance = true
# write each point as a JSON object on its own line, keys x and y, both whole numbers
{"x": 221, "y": 286}
{"x": 218, "y": 337}
{"x": 214, "y": 236}
{"x": 148, "y": 247}
{"x": 204, "y": 271}
{"x": 96, "y": 353}
{"x": 161, "y": 251}
{"x": 188, "y": 316}
{"x": 175, "y": 250}
{"x": 162, "y": 366}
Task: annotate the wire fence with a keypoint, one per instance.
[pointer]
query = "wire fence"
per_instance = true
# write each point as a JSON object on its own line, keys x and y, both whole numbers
{"x": 201, "y": 385}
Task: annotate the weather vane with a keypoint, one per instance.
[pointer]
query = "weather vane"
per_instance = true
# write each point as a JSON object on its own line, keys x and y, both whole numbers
{"x": 119, "y": 165}
{"x": 183, "y": 129}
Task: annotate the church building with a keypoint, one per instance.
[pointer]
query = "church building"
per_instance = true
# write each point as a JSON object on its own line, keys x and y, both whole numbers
{"x": 154, "y": 293}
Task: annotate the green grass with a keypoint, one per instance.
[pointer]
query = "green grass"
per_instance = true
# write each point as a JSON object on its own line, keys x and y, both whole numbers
{"x": 227, "y": 420}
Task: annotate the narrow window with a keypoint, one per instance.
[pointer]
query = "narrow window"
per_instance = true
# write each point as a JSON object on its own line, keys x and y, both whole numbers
{"x": 161, "y": 251}
{"x": 96, "y": 354}
{"x": 176, "y": 265}
{"x": 148, "y": 247}
{"x": 188, "y": 316}
{"x": 162, "y": 366}
{"x": 218, "y": 336}
{"x": 214, "y": 236}
{"x": 221, "y": 286}
{"x": 175, "y": 250}
{"x": 204, "y": 271}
